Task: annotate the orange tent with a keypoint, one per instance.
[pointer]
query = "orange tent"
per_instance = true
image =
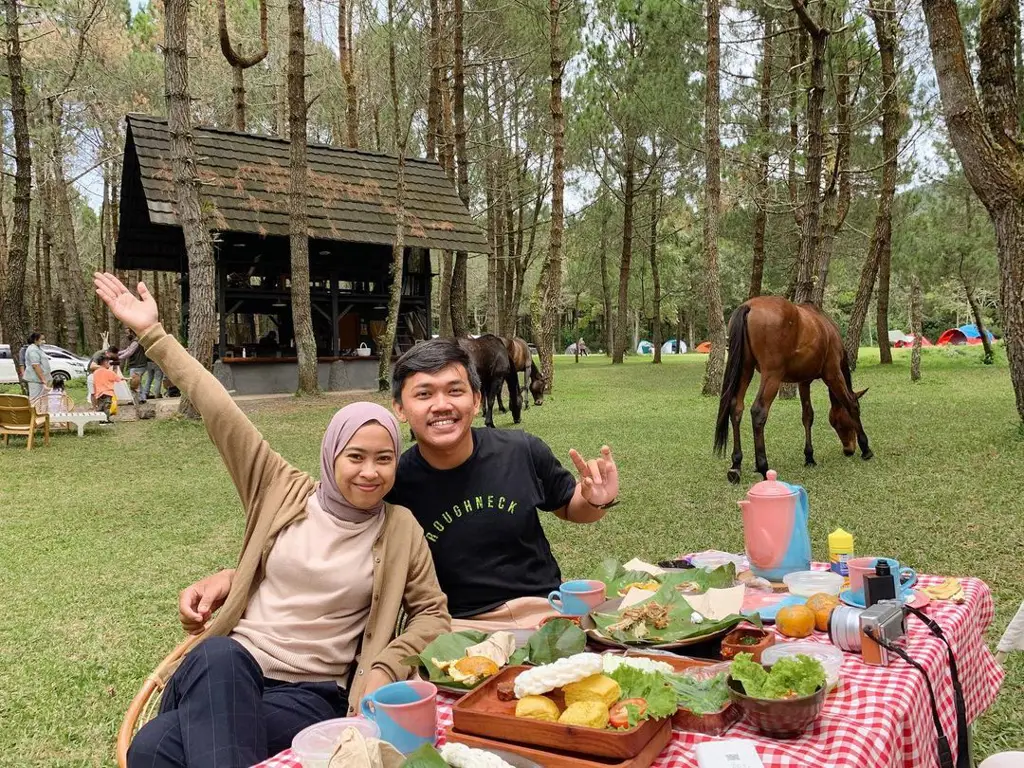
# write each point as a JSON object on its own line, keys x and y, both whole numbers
{"x": 704, "y": 347}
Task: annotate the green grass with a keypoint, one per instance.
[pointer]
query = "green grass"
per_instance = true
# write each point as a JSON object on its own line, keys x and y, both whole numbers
{"x": 97, "y": 536}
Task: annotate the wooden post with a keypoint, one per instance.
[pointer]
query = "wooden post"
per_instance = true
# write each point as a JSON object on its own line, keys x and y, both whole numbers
{"x": 335, "y": 339}
{"x": 222, "y": 308}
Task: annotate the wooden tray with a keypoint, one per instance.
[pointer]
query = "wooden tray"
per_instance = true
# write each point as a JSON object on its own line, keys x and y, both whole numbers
{"x": 560, "y": 759}
{"x": 481, "y": 713}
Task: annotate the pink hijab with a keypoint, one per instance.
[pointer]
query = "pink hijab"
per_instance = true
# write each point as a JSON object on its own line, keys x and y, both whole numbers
{"x": 343, "y": 426}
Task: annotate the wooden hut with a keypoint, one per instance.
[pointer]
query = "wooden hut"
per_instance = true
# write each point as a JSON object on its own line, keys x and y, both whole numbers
{"x": 244, "y": 198}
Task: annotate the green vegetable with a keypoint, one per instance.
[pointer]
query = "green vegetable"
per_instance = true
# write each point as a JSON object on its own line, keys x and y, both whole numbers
{"x": 555, "y": 640}
{"x": 652, "y": 687}
{"x": 446, "y": 647}
{"x": 702, "y": 697}
{"x": 425, "y": 757}
{"x": 633, "y": 715}
{"x": 789, "y": 677}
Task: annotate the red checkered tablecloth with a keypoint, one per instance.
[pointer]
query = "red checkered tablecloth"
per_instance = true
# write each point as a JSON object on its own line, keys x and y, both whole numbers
{"x": 878, "y": 717}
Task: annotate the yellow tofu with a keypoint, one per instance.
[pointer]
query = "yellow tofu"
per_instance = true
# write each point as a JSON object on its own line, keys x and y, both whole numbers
{"x": 589, "y": 714}
{"x": 537, "y": 708}
{"x": 598, "y": 688}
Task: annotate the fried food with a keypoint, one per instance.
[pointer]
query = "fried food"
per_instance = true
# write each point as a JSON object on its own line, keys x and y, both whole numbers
{"x": 469, "y": 670}
{"x": 635, "y": 619}
{"x": 590, "y": 714}
{"x": 650, "y": 586}
{"x": 537, "y": 708}
{"x": 598, "y": 688}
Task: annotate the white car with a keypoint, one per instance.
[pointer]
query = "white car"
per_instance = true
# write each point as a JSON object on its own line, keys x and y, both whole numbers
{"x": 64, "y": 365}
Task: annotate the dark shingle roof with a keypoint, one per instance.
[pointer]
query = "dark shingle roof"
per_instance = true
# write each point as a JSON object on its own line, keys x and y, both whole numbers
{"x": 245, "y": 182}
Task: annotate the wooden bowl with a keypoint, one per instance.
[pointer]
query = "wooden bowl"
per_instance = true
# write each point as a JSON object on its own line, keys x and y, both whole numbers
{"x": 733, "y": 643}
{"x": 778, "y": 718}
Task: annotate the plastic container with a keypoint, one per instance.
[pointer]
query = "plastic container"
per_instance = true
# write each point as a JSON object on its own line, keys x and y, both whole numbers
{"x": 840, "y": 550}
{"x": 831, "y": 658}
{"x": 807, "y": 583}
{"x": 315, "y": 745}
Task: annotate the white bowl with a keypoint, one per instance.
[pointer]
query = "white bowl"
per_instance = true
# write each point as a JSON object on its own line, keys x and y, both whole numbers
{"x": 808, "y": 583}
{"x": 315, "y": 744}
{"x": 831, "y": 658}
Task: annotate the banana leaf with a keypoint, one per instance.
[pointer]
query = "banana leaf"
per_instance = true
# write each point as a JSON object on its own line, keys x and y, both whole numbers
{"x": 425, "y": 757}
{"x": 555, "y": 640}
{"x": 616, "y": 578}
{"x": 446, "y": 647}
{"x": 680, "y": 625}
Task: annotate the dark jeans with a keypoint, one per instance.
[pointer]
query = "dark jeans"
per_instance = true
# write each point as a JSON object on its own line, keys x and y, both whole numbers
{"x": 218, "y": 711}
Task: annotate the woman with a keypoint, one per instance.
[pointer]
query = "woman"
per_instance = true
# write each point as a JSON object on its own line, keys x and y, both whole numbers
{"x": 306, "y": 629}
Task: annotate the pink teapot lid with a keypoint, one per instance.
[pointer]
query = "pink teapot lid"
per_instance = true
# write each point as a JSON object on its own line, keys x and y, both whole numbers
{"x": 770, "y": 487}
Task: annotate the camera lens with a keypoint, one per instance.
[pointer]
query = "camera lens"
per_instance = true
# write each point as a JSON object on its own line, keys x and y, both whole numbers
{"x": 844, "y": 628}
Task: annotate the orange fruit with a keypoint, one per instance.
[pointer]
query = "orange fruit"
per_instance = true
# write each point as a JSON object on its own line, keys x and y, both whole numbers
{"x": 795, "y": 621}
{"x": 822, "y": 604}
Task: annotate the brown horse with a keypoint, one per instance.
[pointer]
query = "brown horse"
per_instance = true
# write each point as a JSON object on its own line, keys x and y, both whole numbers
{"x": 533, "y": 383}
{"x": 493, "y": 363}
{"x": 786, "y": 342}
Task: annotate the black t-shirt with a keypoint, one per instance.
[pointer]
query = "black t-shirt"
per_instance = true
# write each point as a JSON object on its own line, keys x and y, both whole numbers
{"x": 481, "y": 520}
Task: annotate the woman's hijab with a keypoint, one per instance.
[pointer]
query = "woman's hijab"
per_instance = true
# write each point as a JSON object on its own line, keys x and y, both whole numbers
{"x": 343, "y": 426}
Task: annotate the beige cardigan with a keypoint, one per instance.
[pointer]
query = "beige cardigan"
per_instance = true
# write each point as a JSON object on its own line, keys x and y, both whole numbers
{"x": 274, "y": 495}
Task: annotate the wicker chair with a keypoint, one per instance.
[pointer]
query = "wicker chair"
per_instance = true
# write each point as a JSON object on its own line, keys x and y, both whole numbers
{"x": 146, "y": 703}
{"x": 19, "y": 417}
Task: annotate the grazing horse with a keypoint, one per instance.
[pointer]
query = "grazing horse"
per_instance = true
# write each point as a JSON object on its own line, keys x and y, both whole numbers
{"x": 786, "y": 342}
{"x": 533, "y": 382}
{"x": 494, "y": 365}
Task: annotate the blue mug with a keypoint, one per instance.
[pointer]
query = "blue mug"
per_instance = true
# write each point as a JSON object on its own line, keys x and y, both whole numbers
{"x": 405, "y": 712}
{"x": 577, "y": 598}
{"x": 903, "y": 578}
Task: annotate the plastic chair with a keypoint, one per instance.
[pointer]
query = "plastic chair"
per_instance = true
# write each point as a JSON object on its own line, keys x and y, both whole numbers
{"x": 19, "y": 417}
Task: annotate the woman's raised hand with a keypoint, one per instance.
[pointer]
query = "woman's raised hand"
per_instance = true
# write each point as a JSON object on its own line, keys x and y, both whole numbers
{"x": 139, "y": 314}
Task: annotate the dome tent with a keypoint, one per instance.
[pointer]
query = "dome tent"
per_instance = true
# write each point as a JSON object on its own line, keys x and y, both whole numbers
{"x": 669, "y": 347}
{"x": 645, "y": 348}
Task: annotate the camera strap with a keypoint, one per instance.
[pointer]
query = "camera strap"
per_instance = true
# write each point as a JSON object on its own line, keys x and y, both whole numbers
{"x": 963, "y": 759}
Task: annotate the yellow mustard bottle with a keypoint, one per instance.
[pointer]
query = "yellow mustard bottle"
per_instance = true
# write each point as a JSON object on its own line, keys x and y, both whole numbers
{"x": 840, "y": 551}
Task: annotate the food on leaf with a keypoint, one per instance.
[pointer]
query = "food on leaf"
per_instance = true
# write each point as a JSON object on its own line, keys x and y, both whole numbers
{"x": 562, "y": 672}
{"x": 795, "y": 621}
{"x": 689, "y": 588}
{"x": 651, "y": 586}
{"x": 627, "y": 713}
{"x": 789, "y": 677}
{"x": 594, "y": 688}
{"x": 590, "y": 714}
{"x": 537, "y": 708}
{"x": 499, "y": 648}
{"x": 635, "y": 619}
{"x": 472, "y": 669}
{"x": 557, "y": 639}
{"x": 822, "y": 604}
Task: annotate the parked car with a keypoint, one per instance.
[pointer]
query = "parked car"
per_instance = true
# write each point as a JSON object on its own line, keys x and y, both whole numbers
{"x": 64, "y": 365}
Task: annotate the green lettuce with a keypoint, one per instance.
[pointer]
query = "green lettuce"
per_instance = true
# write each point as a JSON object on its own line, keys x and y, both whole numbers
{"x": 652, "y": 687}
{"x": 702, "y": 697}
{"x": 790, "y": 676}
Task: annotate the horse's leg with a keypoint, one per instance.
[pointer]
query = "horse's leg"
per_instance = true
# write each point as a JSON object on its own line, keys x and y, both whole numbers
{"x": 488, "y": 391}
{"x": 808, "y": 416}
{"x": 525, "y": 387}
{"x": 737, "y": 417}
{"x": 501, "y": 405}
{"x": 759, "y": 416}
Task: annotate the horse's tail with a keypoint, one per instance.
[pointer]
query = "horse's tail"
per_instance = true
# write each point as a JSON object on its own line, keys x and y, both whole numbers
{"x": 733, "y": 374}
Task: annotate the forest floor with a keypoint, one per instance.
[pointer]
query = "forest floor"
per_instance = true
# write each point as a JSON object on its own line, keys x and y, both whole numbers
{"x": 98, "y": 535}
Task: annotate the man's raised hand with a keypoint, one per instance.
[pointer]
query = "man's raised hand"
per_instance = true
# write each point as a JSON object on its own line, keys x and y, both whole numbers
{"x": 139, "y": 314}
{"x": 599, "y": 477}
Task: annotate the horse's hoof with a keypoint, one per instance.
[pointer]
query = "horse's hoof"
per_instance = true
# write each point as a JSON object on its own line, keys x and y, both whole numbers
{"x": 810, "y": 463}
{"x": 847, "y": 453}
{"x": 868, "y": 455}
{"x": 734, "y": 476}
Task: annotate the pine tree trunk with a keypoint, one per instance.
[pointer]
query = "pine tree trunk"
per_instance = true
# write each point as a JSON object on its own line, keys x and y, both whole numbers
{"x": 714, "y": 371}
{"x": 622, "y": 310}
{"x": 489, "y": 183}
{"x": 979, "y": 321}
{"x": 807, "y": 260}
{"x": 351, "y": 92}
{"x": 606, "y": 294}
{"x": 12, "y": 307}
{"x": 448, "y": 163}
{"x": 764, "y": 125}
{"x": 460, "y": 269}
{"x": 655, "y": 273}
{"x": 302, "y": 317}
{"x": 49, "y": 324}
{"x": 434, "y": 89}
{"x": 399, "y": 140}
{"x": 915, "y": 327}
{"x": 553, "y": 277}
{"x": 238, "y": 62}
{"x": 882, "y": 303}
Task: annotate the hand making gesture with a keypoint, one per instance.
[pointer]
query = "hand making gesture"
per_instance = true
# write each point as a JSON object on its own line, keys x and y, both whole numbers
{"x": 599, "y": 477}
{"x": 139, "y": 314}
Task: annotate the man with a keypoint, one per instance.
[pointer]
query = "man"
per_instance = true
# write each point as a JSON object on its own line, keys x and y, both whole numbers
{"x": 137, "y": 362}
{"x": 37, "y": 366}
{"x": 152, "y": 378}
{"x": 476, "y": 493}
